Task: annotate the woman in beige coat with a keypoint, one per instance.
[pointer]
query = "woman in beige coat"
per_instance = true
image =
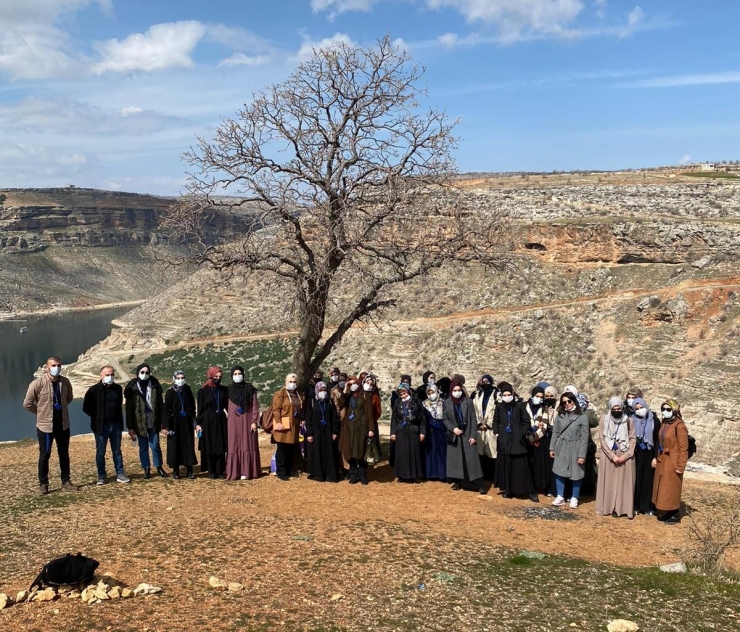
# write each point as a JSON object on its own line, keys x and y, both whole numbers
{"x": 287, "y": 414}
{"x": 484, "y": 402}
{"x": 615, "y": 487}
{"x": 672, "y": 454}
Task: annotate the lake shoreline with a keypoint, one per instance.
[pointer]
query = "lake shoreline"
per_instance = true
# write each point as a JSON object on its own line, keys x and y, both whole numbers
{"x": 11, "y": 316}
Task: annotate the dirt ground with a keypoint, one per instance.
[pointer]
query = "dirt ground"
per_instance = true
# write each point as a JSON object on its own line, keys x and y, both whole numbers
{"x": 294, "y": 545}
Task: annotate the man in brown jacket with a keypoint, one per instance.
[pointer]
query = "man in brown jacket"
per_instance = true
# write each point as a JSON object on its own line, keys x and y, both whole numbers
{"x": 48, "y": 397}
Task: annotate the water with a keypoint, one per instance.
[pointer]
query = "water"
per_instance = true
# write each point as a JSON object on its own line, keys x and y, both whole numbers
{"x": 65, "y": 335}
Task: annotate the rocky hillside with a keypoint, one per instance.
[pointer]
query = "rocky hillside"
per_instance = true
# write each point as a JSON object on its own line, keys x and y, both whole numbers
{"x": 620, "y": 282}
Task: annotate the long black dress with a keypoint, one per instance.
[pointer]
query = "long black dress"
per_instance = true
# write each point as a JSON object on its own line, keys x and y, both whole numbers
{"x": 510, "y": 425}
{"x": 539, "y": 446}
{"x": 178, "y": 415}
{"x": 645, "y": 452}
{"x": 212, "y": 419}
{"x": 408, "y": 422}
{"x": 321, "y": 424}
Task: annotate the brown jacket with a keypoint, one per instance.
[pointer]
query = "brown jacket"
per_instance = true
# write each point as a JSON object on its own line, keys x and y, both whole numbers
{"x": 674, "y": 438}
{"x": 282, "y": 406}
{"x": 347, "y": 447}
{"x": 40, "y": 401}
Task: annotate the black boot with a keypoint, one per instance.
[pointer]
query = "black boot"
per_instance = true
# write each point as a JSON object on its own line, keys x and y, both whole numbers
{"x": 147, "y": 472}
{"x": 362, "y": 472}
{"x": 190, "y": 474}
{"x": 176, "y": 473}
{"x": 161, "y": 472}
{"x": 673, "y": 517}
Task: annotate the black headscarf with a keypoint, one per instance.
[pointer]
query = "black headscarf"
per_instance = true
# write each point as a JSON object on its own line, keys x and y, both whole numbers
{"x": 241, "y": 394}
{"x": 143, "y": 383}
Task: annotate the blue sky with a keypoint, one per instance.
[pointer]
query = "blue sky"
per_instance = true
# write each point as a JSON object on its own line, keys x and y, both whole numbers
{"x": 109, "y": 93}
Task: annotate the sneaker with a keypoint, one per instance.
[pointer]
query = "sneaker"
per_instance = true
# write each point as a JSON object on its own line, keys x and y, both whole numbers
{"x": 122, "y": 478}
{"x": 67, "y": 486}
{"x": 559, "y": 501}
{"x": 102, "y": 481}
{"x": 574, "y": 503}
{"x": 43, "y": 490}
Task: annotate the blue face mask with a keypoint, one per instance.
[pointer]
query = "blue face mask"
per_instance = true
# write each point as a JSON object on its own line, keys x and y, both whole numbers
{"x": 55, "y": 371}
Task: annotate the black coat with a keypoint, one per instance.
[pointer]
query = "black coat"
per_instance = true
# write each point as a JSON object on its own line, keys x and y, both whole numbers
{"x": 181, "y": 444}
{"x": 513, "y": 443}
{"x": 323, "y": 456}
{"x": 94, "y": 403}
{"x": 409, "y": 462}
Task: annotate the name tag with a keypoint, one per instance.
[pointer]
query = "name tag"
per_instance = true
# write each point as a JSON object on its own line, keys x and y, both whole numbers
{"x": 615, "y": 447}
{"x": 57, "y": 406}
{"x": 352, "y": 417}
{"x": 508, "y": 429}
{"x": 183, "y": 413}
{"x": 642, "y": 446}
{"x": 240, "y": 411}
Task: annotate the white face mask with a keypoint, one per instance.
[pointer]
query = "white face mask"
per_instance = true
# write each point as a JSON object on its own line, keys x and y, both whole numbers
{"x": 55, "y": 371}
{"x": 457, "y": 394}
{"x": 335, "y": 378}
{"x": 292, "y": 386}
{"x": 667, "y": 414}
{"x": 108, "y": 379}
{"x": 433, "y": 397}
{"x": 507, "y": 399}
{"x": 321, "y": 395}
{"x": 354, "y": 387}
{"x": 367, "y": 388}
{"x": 180, "y": 381}
{"x": 143, "y": 376}
{"x": 630, "y": 401}
{"x": 536, "y": 401}
{"x": 238, "y": 379}
{"x": 405, "y": 398}
{"x": 641, "y": 413}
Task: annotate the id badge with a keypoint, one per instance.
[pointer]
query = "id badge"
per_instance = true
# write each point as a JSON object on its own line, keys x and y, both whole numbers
{"x": 508, "y": 429}
{"x": 57, "y": 406}
{"x": 240, "y": 411}
{"x": 183, "y": 413}
{"x": 642, "y": 446}
{"x": 533, "y": 429}
{"x": 615, "y": 447}
{"x": 323, "y": 422}
{"x": 352, "y": 417}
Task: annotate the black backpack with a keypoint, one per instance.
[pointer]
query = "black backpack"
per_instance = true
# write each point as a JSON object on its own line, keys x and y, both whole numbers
{"x": 70, "y": 569}
{"x": 692, "y": 446}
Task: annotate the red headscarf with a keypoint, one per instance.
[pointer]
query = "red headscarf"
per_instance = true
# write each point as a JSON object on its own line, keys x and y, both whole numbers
{"x": 457, "y": 383}
{"x": 212, "y": 371}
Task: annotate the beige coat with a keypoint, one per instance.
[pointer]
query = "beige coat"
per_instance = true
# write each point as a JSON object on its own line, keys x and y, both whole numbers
{"x": 40, "y": 401}
{"x": 671, "y": 464}
{"x": 615, "y": 487}
{"x": 486, "y": 439}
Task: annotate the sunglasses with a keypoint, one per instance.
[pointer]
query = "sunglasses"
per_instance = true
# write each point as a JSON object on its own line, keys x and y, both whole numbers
{"x": 667, "y": 410}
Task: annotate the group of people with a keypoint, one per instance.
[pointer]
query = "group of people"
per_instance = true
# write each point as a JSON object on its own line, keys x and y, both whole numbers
{"x": 540, "y": 444}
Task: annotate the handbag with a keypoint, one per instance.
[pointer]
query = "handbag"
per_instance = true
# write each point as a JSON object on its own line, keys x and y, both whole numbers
{"x": 286, "y": 421}
{"x": 372, "y": 454}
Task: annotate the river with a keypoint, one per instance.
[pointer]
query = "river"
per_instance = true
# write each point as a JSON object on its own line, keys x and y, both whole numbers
{"x": 66, "y": 335}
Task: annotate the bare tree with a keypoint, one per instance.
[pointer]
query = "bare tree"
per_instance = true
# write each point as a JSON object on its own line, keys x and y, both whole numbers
{"x": 349, "y": 190}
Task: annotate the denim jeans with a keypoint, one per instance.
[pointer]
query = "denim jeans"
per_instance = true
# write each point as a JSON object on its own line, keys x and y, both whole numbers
{"x": 112, "y": 433}
{"x": 150, "y": 441}
{"x": 560, "y": 486}
{"x": 46, "y": 440}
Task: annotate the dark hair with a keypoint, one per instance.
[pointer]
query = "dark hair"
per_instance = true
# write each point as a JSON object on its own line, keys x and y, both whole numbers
{"x": 569, "y": 396}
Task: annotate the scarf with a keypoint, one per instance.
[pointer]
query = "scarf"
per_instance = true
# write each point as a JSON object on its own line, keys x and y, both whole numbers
{"x": 616, "y": 431}
{"x": 212, "y": 370}
{"x": 435, "y": 409}
{"x": 644, "y": 427}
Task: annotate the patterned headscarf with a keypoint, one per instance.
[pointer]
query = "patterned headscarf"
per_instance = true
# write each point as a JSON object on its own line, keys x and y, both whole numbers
{"x": 584, "y": 402}
{"x": 675, "y": 406}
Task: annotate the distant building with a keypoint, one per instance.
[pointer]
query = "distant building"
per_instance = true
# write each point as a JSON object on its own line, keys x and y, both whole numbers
{"x": 706, "y": 166}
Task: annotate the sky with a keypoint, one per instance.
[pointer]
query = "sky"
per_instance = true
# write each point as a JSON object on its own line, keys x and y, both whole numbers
{"x": 109, "y": 93}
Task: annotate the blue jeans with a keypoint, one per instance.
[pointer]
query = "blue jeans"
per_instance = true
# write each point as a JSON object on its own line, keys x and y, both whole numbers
{"x": 112, "y": 433}
{"x": 560, "y": 486}
{"x": 150, "y": 441}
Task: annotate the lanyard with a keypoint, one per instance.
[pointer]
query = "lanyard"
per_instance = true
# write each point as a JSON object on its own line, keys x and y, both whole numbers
{"x": 405, "y": 412}
{"x": 182, "y": 401}
{"x": 615, "y": 445}
{"x": 322, "y": 408}
{"x": 662, "y": 436}
{"x": 217, "y": 397}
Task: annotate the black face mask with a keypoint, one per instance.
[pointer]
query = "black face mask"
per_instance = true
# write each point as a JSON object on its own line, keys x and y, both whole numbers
{"x": 486, "y": 388}
{"x": 551, "y": 402}
{"x": 617, "y": 415}
{"x": 215, "y": 380}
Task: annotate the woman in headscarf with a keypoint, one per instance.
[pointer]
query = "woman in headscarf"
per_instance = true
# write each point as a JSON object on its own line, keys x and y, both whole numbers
{"x": 429, "y": 378}
{"x": 463, "y": 462}
{"x": 408, "y": 429}
{"x": 443, "y": 386}
{"x": 511, "y": 425}
{"x": 484, "y": 402}
{"x": 371, "y": 394}
{"x": 287, "y": 413}
{"x": 568, "y": 446}
{"x": 243, "y": 457}
{"x": 211, "y": 422}
{"x": 647, "y": 428}
{"x": 588, "y": 485}
{"x": 357, "y": 426}
{"x": 633, "y": 393}
{"x": 405, "y": 379}
{"x": 670, "y": 462}
{"x": 322, "y": 430}
{"x": 178, "y": 420}
{"x": 541, "y": 418}
{"x": 435, "y": 441}
{"x": 144, "y": 417}
{"x": 615, "y": 489}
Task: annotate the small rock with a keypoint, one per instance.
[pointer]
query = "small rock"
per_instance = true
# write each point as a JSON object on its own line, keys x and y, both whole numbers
{"x": 100, "y": 593}
{"x": 114, "y": 593}
{"x": 56, "y": 611}
{"x": 21, "y": 596}
{"x": 48, "y": 594}
{"x": 591, "y": 349}
{"x": 146, "y": 589}
{"x": 85, "y": 596}
{"x": 539, "y": 314}
{"x": 168, "y": 508}
{"x": 73, "y": 594}
{"x": 218, "y": 584}
{"x": 648, "y": 302}
{"x": 622, "y": 625}
{"x": 127, "y": 593}
{"x": 525, "y": 349}
{"x": 702, "y": 263}
{"x": 678, "y": 567}
{"x": 337, "y": 597}
{"x": 235, "y": 587}
{"x": 5, "y": 601}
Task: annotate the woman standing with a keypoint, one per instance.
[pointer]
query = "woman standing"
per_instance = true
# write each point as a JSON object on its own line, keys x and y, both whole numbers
{"x": 322, "y": 430}
{"x": 511, "y": 425}
{"x": 211, "y": 420}
{"x": 178, "y": 420}
{"x": 372, "y": 397}
{"x": 615, "y": 487}
{"x": 435, "y": 441}
{"x": 408, "y": 429}
{"x": 357, "y": 426}
{"x": 463, "y": 462}
{"x": 540, "y": 417}
{"x": 568, "y": 447}
{"x": 144, "y": 417}
{"x": 287, "y": 413}
{"x": 646, "y": 434}
{"x": 670, "y": 462}
{"x": 484, "y": 402}
{"x": 243, "y": 457}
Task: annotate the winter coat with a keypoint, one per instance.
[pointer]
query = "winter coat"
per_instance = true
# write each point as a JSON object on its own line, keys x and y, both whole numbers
{"x": 516, "y": 419}
{"x": 353, "y": 433}
{"x": 486, "y": 436}
{"x": 282, "y": 406}
{"x": 469, "y": 452}
{"x": 136, "y": 406}
{"x": 94, "y": 406}
{"x": 667, "y": 484}
{"x": 40, "y": 401}
{"x": 570, "y": 443}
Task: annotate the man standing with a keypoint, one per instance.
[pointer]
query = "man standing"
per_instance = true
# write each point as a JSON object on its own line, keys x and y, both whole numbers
{"x": 47, "y": 397}
{"x": 104, "y": 405}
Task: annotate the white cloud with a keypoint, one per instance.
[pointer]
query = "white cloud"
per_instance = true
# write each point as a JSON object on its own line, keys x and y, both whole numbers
{"x": 26, "y": 165}
{"x": 309, "y": 45}
{"x": 686, "y": 160}
{"x": 448, "y": 39}
{"x": 335, "y": 7}
{"x": 600, "y": 6}
{"x": 46, "y": 10}
{"x": 129, "y": 110}
{"x": 677, "y": 81}
{"x": 163, "y": 46}
{"x": 635, "y": 20}
{"x": 240, "y": 59}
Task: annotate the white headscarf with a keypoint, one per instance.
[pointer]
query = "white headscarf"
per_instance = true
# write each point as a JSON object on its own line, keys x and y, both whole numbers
{"x": 615, "y": 430}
